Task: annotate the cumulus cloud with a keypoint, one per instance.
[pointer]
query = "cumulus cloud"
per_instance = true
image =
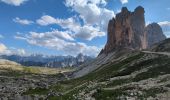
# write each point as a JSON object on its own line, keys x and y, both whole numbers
{"x": 23, "y": 21}
{"x": 60, "y": 44}
{"x": 52, "y": 35}
{"x": 88, "y": 32}
{"x": 2, "y": 48}
{"x": 65, "y": 23}
{"x": 14, "y": 2}
{"x": 124, "y": 1}
{"x": 21, "y": 52}
{"x": 164, "y": 23}
{"x": 46, "y": 20}
{"x": 165, "y": 27}
{"x": 90, "y": 11}
{"x": 93, "y": 13}
{"x": 90, "y": 20}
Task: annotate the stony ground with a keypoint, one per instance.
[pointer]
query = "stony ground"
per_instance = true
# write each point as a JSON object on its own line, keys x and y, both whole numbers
{"x": 137, "y": 76}
{"x": 16, "y": 80}
{"x": 140, "y": 76}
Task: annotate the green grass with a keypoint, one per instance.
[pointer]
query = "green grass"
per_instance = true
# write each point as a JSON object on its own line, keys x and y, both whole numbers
{"x": 109, "y": 71}
{"x": 106, "y": 72}
{"x": 153, "y": 91}
{"x": 35, "y": 69}
{"x": 11, "y": 73}
{"x": 162, "y": 68}
{"x": 163, "y": 46}
{"x": 119, "y": 82}
{"x": 107, "y": 94}
{"x": 39, "y": 91}
{"x": 124, "y": 91}
{"x": 112, "y": 94}
{"x": 135, "y": 67}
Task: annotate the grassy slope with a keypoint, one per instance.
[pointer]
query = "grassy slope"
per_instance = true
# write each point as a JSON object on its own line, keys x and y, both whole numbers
{"x": 34, "y": 70}
{"x": 106, "y": 72}
{"x": 69, "y": 89}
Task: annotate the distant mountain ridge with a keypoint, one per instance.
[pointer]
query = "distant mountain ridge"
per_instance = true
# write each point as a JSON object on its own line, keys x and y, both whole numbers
{"x": 48, "y": 61}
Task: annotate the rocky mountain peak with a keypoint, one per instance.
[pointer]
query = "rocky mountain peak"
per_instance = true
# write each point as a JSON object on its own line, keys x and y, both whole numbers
{"x": 124, "y": 10}
{"x": 139, "y": 10}
{"x": 127, "y": 30}
{"x": 154, "y": 34}
{"x": 80, "y": 57}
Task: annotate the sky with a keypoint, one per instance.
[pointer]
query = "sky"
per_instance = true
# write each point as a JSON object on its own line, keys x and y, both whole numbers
{"x": 67, "y": 27}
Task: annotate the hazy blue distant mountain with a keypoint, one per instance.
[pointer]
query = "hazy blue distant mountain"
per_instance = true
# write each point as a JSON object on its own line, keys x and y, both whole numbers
{"x": 48, "y": 61}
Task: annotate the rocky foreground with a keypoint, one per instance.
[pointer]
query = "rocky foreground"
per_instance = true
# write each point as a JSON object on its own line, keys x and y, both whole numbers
{"x": 16, "y": 80}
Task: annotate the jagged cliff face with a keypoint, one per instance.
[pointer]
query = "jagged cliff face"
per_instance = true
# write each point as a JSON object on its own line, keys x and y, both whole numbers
{"x": 127, "y": 30}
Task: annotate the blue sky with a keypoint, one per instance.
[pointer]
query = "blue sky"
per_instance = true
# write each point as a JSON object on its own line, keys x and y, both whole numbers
{"x": 67, "y": 27}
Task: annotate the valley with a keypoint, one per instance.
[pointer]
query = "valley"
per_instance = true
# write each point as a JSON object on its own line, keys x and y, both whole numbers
{"x": 139, "y": 75}
{"x": 134, "y": 64}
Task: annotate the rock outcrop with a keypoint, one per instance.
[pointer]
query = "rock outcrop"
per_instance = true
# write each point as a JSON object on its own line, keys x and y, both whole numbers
{"x": 154, "y": 34}
{"x": 127, "y": 30}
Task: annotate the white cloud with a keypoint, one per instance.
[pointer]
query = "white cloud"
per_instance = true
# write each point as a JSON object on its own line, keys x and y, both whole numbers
{"x": 19, "y": 37}
{"x": 91, "y": 12}
{"x": 84, "y": 32}
{"x": 165, "y": 27}
{"x": 21, "y": 52}
{"x": 46, "y": 20}
{"x": 90, "y": 21}
{"x": 7, "y": 51}
{"x": 64, "y": 23}
{"x": 95, "y": 19}
{"x": 60, "y": 44}
{"x": 94, "y": 16}
{"x": 14, "y": 2}
{"x": 124, "y": 1}
{"x": 2, "y": 48}
{"x": 88, "y": 32}
{"x": 164, "y": 23}
{"x": 22, "y": 21}
{"x": 84, "y": 2}
{"x": 52, "y": 35}
{"x": 167, "y": 33}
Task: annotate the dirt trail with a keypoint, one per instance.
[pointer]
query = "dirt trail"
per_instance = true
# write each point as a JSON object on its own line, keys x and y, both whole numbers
{"x": 160, "y": 53}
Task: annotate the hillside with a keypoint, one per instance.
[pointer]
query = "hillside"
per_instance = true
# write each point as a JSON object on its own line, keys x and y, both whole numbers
{"x": 15, "y": 78}
{"x": 138, "y": 75}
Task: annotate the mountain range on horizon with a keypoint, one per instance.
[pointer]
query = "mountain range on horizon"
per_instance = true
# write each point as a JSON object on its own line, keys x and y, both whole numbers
{"x": 49, "y": 61}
